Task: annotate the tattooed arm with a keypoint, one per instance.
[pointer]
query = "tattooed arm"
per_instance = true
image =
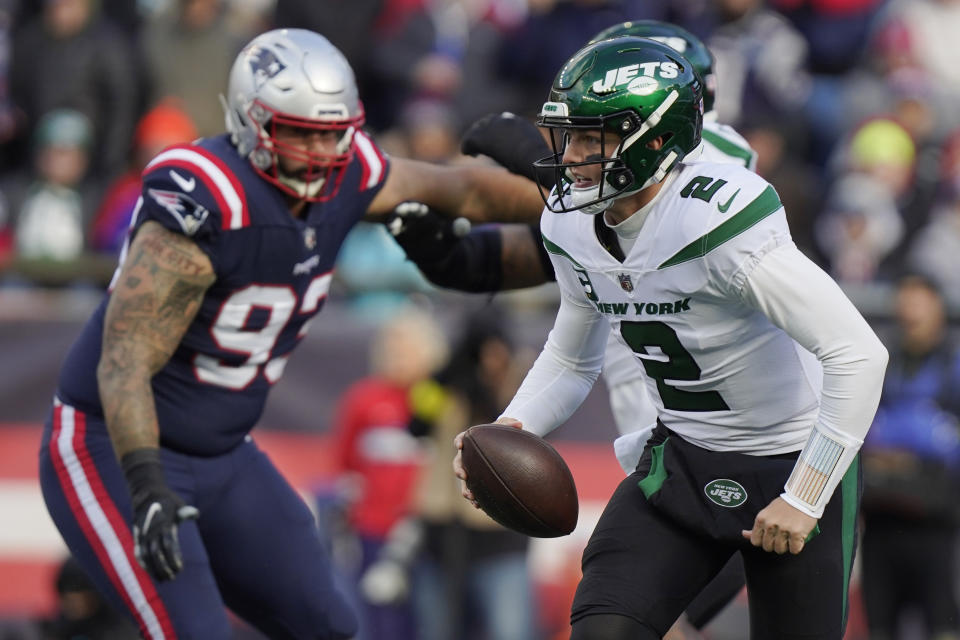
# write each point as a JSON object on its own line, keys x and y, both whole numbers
{"x": 156, "y": 297}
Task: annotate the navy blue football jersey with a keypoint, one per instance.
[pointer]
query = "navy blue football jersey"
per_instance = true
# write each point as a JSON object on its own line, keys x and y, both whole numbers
{"x": 273, "y": 272}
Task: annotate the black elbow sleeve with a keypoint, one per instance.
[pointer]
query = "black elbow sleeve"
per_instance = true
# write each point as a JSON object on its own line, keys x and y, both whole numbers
{"x": 474, "y": 263}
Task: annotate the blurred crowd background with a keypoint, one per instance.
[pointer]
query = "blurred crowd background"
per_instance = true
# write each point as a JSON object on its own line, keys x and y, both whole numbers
{"x": 852, "y": 105}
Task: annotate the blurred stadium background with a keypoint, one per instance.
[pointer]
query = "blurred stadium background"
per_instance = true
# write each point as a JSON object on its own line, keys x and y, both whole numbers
{"x": 851, "y": 105}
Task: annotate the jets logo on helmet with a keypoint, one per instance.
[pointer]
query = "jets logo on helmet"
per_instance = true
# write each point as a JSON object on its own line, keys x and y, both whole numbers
{"x": 638, "y": 89}
{"x": 627, "y": 74}
{"x": 677, "y": 38}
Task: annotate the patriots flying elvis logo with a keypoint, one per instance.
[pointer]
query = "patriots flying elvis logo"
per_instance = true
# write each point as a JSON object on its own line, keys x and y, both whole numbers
{"x": 264, "y": 65}
{"x": 188, "y": 212}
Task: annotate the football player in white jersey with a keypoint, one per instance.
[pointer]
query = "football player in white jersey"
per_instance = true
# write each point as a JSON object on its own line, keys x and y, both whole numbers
{"x": 512, "y": 256}
{"x": 693, "y": 268}
{"x": 505, "y": 257}
{"x": 633, "y": 411}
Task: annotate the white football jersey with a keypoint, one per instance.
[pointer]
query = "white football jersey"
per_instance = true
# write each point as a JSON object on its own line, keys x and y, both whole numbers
{"x": 717, "y": 370}
{"x": 722, "y": 143}
{"x": 631, "y": 406}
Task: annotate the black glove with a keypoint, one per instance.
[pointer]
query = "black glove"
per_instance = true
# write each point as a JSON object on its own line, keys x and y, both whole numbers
{"x": 426, "y": 236}
{"x": 515, "y": 143}
{"x": 447, "y": 252}
{"x": 157, "y": 512}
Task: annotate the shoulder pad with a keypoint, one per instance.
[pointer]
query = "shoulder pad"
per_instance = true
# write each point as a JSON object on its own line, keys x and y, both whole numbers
{"x": 188, "y": 188}
{"x": 373, "y": 161}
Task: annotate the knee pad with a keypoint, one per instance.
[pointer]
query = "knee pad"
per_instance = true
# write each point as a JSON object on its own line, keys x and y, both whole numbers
{"x": 610, "y": 626}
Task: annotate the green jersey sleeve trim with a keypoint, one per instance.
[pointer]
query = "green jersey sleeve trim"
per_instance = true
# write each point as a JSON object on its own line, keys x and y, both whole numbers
{"x": 732, "y": 149}
{"x": 554, "y": 249}
{"x": 765, "y": 204}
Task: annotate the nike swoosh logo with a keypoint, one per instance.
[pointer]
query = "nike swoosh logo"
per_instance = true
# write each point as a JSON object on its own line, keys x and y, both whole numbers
{"x": 726, "y": 205}
{"x": 186, "y": 185}
{"x": 153, "y": 510}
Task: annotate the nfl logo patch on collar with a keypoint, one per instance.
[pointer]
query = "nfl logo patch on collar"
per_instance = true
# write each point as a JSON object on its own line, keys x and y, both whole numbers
{"x": 310, "y": 238}
{"x": 625, "y": 282}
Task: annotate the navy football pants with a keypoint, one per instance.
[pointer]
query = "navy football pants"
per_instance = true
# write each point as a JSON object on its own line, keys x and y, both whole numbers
{"x": 255, "y": 548}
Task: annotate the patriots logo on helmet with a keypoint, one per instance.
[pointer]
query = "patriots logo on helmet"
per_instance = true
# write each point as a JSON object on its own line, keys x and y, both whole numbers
{"x": 625, "y": 282}
{"x": 264, "y": 65}
{"x": 187, "y": 211}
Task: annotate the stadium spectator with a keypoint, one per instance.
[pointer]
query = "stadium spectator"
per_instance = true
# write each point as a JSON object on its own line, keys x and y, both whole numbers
{"x": 911, "y": 459}
{"x": 761, "y": 64}
{"x": 472, "y": 580}
{"x": 532, "y": 51}
{"x": 380, "y": 460}
{"x": 917, "y": 30}
{"x": 837, "y": 31}
{"x": 936, "y": 246}
{"x": 859, "y": 227}
{"x": 445, "y": 51}
{"x": 52, "y": 205}
{"x": 230, "y": 257}
{"x": 164, "y": 125}
{"x": 71, "y": 57}
{"x": 8, "y": 114}
{"x": 430, "y": 129}
{"x": 82, "y": 612}
{"x": 863, "y": 219}
{"x": 173, "y": 43}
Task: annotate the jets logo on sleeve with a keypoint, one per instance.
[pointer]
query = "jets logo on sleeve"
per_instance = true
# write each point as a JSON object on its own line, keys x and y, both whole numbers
{"x": 187, "y": 211}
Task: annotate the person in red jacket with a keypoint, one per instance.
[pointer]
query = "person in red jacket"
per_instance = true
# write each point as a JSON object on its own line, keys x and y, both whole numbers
{"x": 380, "y": 460}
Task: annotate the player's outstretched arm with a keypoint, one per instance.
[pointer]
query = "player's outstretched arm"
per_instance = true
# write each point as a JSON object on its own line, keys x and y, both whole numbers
{"x": 482, "y": 259}
{"x": 480, "y": 194}
{"x": 523, "y": 260}
{"x": 156, "y": 296}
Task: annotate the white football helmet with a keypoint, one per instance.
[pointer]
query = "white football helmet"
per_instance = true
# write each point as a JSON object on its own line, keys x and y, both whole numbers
{"x": 293, "y": 77}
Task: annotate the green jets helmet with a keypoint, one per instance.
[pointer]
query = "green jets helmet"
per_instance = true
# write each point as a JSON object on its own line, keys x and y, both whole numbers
{"x": 689, "y": 45}
{"x": 636, "y": 88}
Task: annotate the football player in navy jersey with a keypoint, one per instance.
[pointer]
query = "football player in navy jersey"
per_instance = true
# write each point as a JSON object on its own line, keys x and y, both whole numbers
{"x": 146, "y": 464}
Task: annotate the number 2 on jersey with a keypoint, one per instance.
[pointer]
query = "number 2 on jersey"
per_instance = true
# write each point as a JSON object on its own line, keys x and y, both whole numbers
{"x": 679, "y": 365}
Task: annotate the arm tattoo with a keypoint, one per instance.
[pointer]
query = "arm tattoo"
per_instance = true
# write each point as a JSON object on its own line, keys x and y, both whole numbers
{"x": 165, "y": 277}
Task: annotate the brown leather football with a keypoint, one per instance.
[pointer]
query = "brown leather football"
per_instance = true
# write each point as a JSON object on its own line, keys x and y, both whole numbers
{"x": 520, "y": 481}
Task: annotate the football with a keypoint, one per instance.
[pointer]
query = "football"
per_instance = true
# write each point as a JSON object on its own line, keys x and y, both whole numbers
{"x": 520, "y": 481}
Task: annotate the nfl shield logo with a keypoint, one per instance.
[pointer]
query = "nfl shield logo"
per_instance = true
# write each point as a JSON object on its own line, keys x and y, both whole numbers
{"x": 310, "y": 238}
{"x": 625, "y": 281}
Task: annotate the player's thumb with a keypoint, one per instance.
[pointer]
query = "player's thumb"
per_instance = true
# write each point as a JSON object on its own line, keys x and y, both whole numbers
{"x": 510, "y": 422}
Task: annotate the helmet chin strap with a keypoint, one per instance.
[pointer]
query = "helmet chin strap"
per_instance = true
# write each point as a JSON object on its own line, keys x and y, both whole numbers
{"x": 578, "y": 196}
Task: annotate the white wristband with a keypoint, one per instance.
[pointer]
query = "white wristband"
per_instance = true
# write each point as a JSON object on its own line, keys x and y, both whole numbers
{"x": 819, "y": 469}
